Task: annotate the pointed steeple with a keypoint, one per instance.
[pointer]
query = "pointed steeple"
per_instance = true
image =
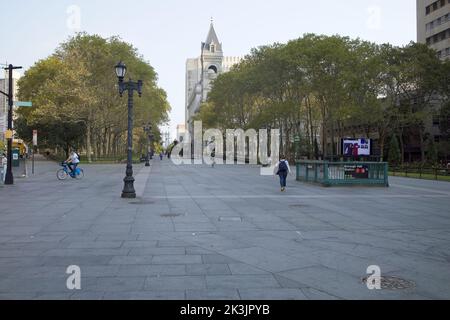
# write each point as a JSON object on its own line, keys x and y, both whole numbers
{"x": 212, "y": 38}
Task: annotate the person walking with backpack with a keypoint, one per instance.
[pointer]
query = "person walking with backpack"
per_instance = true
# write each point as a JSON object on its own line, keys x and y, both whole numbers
{"x": 282, "y": 169}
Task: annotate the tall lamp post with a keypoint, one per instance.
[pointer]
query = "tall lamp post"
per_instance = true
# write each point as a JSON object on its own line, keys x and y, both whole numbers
{"x": 9, "y": 179}
{"x": 130, "y": 86}
{"x": 150, "y": 138}
{"x": 147, "y": 129}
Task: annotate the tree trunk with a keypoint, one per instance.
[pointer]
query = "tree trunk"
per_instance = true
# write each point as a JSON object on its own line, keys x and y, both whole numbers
{"x": 88, "y": 143}
{"x": 402, "y": 147}
{"x": 422, "y": 148}
{"x": 382, "y": 139}
{"x": 311, "y": 125}
{"x": 333, "y": 147}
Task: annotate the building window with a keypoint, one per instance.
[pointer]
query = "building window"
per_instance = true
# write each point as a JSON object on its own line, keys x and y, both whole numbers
{"x": 438, "y": 37}
{"x": 436, "y": 120}
{"x": 435, "y": 6}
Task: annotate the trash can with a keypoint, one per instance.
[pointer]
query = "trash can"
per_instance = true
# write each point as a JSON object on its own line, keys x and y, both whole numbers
{"x": 15, "y": 157}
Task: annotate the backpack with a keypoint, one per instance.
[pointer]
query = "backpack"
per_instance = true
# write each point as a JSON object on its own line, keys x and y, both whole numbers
{"x": 78, "y": 155}
{"x": 282, "y": 167}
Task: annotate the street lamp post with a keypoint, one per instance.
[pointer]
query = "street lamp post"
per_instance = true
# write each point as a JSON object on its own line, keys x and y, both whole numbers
{"x": 130, "y": 86}
{"x": 147, "y": 129}
{"x": 9, "y": 178}
{"x": 150, "y": 138}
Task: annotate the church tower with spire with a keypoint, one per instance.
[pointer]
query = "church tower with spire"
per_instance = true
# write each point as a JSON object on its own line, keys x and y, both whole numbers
{"x": 211, "y": 60}
{"x": 201, "y": 73}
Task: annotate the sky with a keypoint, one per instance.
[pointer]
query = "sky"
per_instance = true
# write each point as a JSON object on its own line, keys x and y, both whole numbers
{"x": 167, "y": 32}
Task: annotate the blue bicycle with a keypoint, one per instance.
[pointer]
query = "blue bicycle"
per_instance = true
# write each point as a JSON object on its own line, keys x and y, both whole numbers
{"x": 64, "y": 173}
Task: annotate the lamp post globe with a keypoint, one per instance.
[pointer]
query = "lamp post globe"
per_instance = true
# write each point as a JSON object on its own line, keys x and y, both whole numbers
{"x": 121, "y": 70}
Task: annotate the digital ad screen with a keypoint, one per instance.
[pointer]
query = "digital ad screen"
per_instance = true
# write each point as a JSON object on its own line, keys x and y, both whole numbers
{"x": 356, "y": 147}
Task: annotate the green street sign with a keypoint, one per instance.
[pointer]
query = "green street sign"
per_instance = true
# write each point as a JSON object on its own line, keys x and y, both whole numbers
{"x": 23, "y": 103}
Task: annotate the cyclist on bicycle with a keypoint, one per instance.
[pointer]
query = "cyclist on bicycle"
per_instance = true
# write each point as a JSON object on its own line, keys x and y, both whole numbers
{"x": 73, "y": 161}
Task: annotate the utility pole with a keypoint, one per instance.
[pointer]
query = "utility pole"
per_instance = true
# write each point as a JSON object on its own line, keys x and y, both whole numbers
{"x": 9, "y": 179}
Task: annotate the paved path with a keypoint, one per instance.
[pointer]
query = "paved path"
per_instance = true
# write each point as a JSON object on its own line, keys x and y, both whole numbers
{"x": 198, "y": 232}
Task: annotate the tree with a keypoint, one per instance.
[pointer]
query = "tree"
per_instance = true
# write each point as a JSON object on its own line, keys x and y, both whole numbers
{"x": 75, "y": 96}
{"x": 325, "y": 88}
{"x": 419, "y": 77}
{"x": 394, "y": 151}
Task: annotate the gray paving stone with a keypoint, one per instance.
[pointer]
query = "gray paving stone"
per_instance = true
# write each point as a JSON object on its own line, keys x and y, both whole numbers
{"x": 304, "y": 241}
{"x": 157, "y": 251}
{"x": 198, "y": 250}
{"x": 175, "y": 283}
{"x": 172, "y": 243}
{"x": 216, "y": 258}
{"x": 268, "y": 260}
{"x": 112, "y": 284}
{"x": 177, "y": 259}
{"x": 146, "y": 295}
{"x": 131, "y": 260}
{"x": 242, "y": 281}
{"x": 95, "y": 245}
{"x": 151, "y": 270}
{"x": 86, "y": 295}
{"x": 272, "y": 294}
{"x": 88, "y": 260}
{"x": 140, "y": 244}
{"x": 53, "y": 296}
{"x": 207, "y": 269}
{"x": 213, "y": 294}
{"x": 17, "y": 296}
{"x": 85, "y": 252}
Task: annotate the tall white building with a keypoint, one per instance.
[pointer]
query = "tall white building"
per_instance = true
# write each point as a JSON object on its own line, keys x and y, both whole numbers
{"x": 181, "y": 130}
{"x": 202, "y": 71}
{"x": 4, "y": 101}
{"x": 433, "y": 25}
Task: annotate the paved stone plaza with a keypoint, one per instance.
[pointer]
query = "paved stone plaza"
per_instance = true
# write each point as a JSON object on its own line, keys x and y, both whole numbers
{"x": 197, "y": 232}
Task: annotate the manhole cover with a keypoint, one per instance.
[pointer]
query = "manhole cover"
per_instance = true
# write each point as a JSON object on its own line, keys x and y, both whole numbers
{"x": 171, "y": 215}
{"x": 232, "y": 219}
{"x": 394, "y": 283}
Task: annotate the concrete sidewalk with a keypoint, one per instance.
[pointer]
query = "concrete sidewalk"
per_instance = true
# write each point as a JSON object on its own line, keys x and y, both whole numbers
{"x": 197, "y": 232}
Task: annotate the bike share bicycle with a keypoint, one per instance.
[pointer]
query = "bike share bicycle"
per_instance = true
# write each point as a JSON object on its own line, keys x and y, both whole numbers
{"x": 64, "y": 173}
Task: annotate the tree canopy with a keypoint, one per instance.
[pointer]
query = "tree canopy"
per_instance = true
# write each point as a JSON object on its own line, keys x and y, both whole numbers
{"x": 324, "y": 88}
{"x": 76, "y": 101}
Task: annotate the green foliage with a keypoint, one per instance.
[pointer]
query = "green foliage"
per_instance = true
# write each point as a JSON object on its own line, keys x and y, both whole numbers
{"x": 327, "y": 88}
{"x": 75, "y": 96}
{"x": 432, "y": 152}
{"x": 394, "y": 151}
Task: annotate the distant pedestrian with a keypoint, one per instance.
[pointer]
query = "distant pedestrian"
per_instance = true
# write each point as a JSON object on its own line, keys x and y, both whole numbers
{"x": 282, "y": 169}
{"x": 161, "y": 155}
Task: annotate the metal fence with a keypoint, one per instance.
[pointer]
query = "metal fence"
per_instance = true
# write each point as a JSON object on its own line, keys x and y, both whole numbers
{"x": 417, "y": 171}
{"x": 343, "y": 173}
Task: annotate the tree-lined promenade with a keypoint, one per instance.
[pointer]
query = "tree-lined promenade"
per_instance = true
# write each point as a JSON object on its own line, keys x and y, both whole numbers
{"x": 332, "y": 87}
{"x": 76, "y": 101}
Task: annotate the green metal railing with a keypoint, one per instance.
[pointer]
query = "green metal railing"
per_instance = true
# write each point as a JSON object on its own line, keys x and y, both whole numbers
{"x": 421, "y": 171}
{"x": 343, "y": 173}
